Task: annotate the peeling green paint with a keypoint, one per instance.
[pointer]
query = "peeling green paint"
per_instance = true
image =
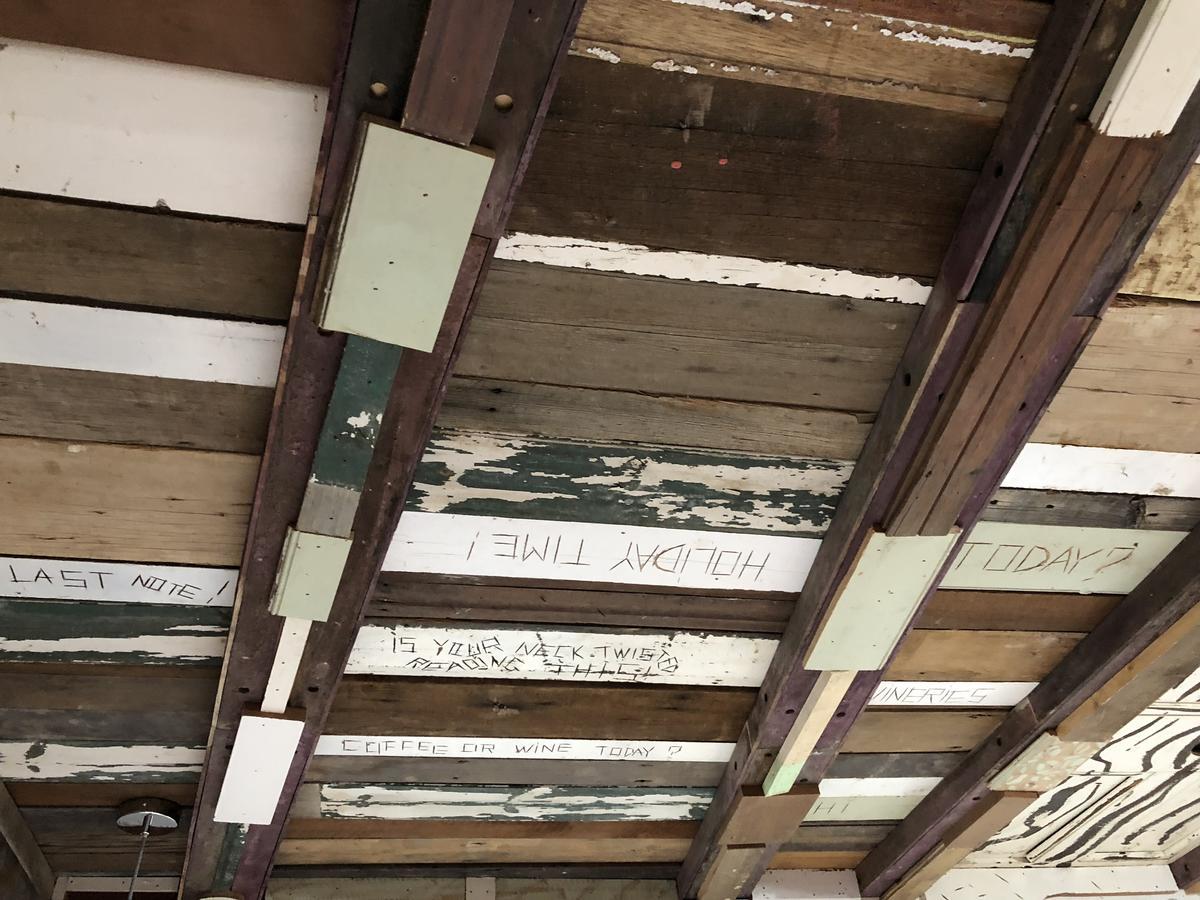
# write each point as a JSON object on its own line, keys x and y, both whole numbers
{"x": 497, "y": 475}
{"x": 232, "y": 847}
{"x": 360, "y": 393}
{"x": 123, "y": 633}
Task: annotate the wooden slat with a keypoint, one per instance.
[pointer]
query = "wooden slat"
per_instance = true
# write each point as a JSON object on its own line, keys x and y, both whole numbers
{"x": 13, "y": 876}
{"x": 849, "y": 53}
{"x": 141, "y": 258}
{"x": 627, "y": 773}
{"x": 1013, "y": 611}
{"x": 1021, "y": 18}
{"x": 270, "y": 38}
{"x": 949, "y": 655}
{"x": 416, "y": 596}
{"x": 537, "y": 709}
{"x": 105, "y": 795}
{"x": 821, "y": 860}
{"x": 922, "y": 731}
{"x": 1170, "y": 265}
{"x": 1036, "y": 507}
{"x": 1133, "y": 398}
{"x": 549, "y": 410}
{"x": 894, "y": 765}
{"x": 100, "y": 501}
{"x": 73, "y": 405}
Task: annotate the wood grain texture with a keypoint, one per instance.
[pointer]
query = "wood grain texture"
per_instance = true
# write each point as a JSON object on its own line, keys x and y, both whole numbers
{"x": 383, "y": 705}
{"x": 1014, "y": 611}
{"x": 85, "y": 840}
{"x": 134, "y": 257}
{"x": 270, "y": 38}
{"x": 678, "y": 339}
{"x": 573, "y": 413}
{"x": 1020, "y": 18}
{"x": 100, "y": 501}
{"x": 877, "y": 731}
{"x": 13, "y": 876}
{"x": 1120, "y": 395}
{"x": 1037, "y": 507}
{"x": 1169, "y": 266}
{"x": 623, "y": 773}
{"x": 95, "y": 794}
{"x": 74, "y": 405}
{"x": 17, "y": 838}
{"x": 416, "y": 596}
{"x": 946, "y": 655}
{"x": 848, "y": 53}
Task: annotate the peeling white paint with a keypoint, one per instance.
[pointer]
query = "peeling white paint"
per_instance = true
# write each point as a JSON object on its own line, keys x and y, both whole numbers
{"x": 985, "y": 46}
{"x": 153, "y": 646}
{"x": 742, "y": 7}
{"x": 39, "y": 761}
{"x": 603, "y": 53}
{"x": 636, "y": 259}
{"x": 669, "y": 65}
{"x": 362, "y": 420}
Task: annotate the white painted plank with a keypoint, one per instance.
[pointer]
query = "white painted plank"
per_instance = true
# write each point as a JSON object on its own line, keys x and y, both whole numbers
{"x": 1092, "y": 883}
{"x": 102, "y": 127}
{"x": 1099, "y": 470}
{"x": 1156, "y": 73}
{"x": 1004, "y": 556}
{"x": 636, "y": 259}
{"x": 258, "y": 766}
{"x": 66, "y": 336}
{"x": 870, "y": 614}
{"x": 41, "y": 578}
{"x": 812, "y": 717}
{"x": 564, "y": 655}
{"x": 424, "y": 747}
{"x": 806, "y": 884}
{"x": 861, "y": 809}
{"x": 453, "y": 544}
{"x": 994, "y": 694}
{"x": 93, "y": 761}
{"x": 519, "y": 803}
{"x": 878, "y": 787}
{"x": 288, "y": 653}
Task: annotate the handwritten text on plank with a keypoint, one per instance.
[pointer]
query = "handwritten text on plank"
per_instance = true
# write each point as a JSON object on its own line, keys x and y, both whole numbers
{"x": 996, "y": 694}
{"x": 660, "y": 657}
{"x": 522, "y": 748}
{"x": 69, "y": 579}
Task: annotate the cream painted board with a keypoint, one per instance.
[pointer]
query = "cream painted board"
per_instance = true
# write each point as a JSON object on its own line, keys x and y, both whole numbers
{"x": 1156, "y": 73}
{"x": 562, "y": 655}
{"x": 310, "y": 571}
{"x": 66, "y": 336}
{"x": 873, "y": 609}
{"x": 862, "y": 809}
{"x": 808, "y": 726}
{"x": 258, "y": 766}
{"x": 74, "y": 123}
{"x": 40, "y": 578}
{"x": 452, "y": 544}
{"x": 1010, "y": 557}
{"x": 425, "y": 747}
{"x": 288, "y": 653}
{"x": 1099, "y": 470}
{"x": 402, "y": 236}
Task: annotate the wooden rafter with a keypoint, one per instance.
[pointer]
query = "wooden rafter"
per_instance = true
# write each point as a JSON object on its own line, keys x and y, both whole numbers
{"x": 23, "y": 868}
{"x": 1153, "y": 634}
{"x": 1056, "y": 220}
{"x": 383, "y": 66}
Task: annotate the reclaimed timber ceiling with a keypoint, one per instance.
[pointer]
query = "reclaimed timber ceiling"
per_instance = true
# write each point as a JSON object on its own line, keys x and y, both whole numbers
{"x": 708, "y": 272}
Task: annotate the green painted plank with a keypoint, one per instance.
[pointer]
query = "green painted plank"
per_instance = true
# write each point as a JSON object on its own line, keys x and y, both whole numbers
{"x": 497, "y": 475}
{"x": 123, "y": 633}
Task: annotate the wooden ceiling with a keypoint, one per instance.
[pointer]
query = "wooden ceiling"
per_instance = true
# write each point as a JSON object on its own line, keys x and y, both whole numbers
{"x": 713, "y": 265}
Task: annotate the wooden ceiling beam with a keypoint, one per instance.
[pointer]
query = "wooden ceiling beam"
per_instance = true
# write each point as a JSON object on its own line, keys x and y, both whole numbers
{"x": 435, "y": 71}
{"x": 1056, "y": 219}
{"x": 1151, "y": 639}
{"x": 24, "y": 871}
{"x": 1186, "y": 870}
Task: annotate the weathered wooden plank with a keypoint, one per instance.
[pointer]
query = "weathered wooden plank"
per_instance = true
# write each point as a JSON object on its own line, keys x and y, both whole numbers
{"x": 604, "y": 773}
{"x": 617, "y": 332}
{"x": 85, "y": 840}
{"x": 445, "y": 887}
{"x": 103, "y": 795}
{"x": 894, "y": 765}
{"x": 446, "y": 598}
{"x": 946, "y": 655}
{"x": 512, "y": 748}
{"x": 950, "y": 694}
{"x": 113, "y": 582}
{"x": 14, "y": 875}
{"x": 1096, "y": 882}
{"x": 262, "y": 135}
{"x": 492, "y": 475}
{"x": 524, "y": 803}
{"x": 1169, "y": 266}
{"x": 17, "y": 838}
{"x": 821, "y": 860}
{"x": 65, "y": 336}
{"x": 552, "y": 411}
{"x": 70, "y": 405}
{"x": 538, "y": 710}
{"x": 851, "y": 53}
{"x": 1153, "y": 512}
{"x": 186, "y": 728}
{"x": 1097, "y": 469}
{"x": 1134, "y": 399}
{"x": 273, "y": 39}
{"x": 98, "y": 761}
{"x": 100, "y": 501}
{"x": 1013, "y": 611}
{"x": 499, "y": 652}
{"x": 879, "y": 731}
{"x": 142, "y": 258}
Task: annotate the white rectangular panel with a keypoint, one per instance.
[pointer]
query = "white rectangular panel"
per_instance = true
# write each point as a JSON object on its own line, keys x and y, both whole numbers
{"x": 1100, "y": 470}
{"x": 258, "y": 766}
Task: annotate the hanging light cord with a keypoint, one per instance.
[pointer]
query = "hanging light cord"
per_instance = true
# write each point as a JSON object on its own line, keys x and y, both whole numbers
{"x": 141, "y": 849}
